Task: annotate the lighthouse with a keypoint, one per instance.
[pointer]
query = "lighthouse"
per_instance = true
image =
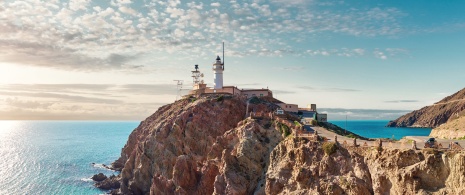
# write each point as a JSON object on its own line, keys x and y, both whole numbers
{"x": 218, "y": 69}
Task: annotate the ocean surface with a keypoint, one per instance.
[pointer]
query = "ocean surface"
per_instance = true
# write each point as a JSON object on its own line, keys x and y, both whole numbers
{"x": 50, "y": 157}
{"x": 376, "y": 129}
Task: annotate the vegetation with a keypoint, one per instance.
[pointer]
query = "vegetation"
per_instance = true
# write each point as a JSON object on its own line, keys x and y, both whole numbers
{"x": 254, "y": 100}
{"x": 329, "y": 148}
{"x": 296, "y": 123}
{"x": 220, "y": 98}
{"x": 283, "y": 129}
{"x": 192, "y": 99}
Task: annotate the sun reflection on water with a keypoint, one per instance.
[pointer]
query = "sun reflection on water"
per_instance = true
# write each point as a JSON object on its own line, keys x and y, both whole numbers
{"x": 7, "y": 127}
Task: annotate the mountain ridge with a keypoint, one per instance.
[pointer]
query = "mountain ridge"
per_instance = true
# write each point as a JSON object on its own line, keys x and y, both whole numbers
{"x": 448, "y": 109}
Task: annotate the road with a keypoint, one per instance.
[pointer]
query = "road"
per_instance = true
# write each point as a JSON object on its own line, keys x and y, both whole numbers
{"x": 403, "y": 144}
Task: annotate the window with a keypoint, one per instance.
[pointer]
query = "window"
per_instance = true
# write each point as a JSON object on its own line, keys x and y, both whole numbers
{"x": 261, "y": 95}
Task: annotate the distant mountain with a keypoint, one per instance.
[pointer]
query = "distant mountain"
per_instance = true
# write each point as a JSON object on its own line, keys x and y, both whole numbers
{"x": 448, "y": 109}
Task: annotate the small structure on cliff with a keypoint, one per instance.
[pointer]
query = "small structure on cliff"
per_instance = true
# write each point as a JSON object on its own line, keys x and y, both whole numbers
{"x": 200, "y": 88}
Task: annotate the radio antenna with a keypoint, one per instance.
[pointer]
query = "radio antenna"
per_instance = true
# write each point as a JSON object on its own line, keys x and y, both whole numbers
{"x": 223, "y": 56}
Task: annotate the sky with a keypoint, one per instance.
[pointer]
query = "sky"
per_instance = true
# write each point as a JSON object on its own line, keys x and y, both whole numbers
{"x": 118, "y": 59}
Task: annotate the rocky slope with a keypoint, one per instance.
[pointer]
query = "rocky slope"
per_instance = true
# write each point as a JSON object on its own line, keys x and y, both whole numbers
{"x": 432, "y": 116}
{"x": 454, "y": 129}
{"x": 207, "y": 146}
{"x": 299, "y": 166}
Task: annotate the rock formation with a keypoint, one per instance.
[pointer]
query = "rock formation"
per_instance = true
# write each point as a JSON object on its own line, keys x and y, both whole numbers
{"x": 207, "y": 146}
{"x": 432, "y": 116}
{"x": 454, "y": 129}
{"x": 298, "y": 166}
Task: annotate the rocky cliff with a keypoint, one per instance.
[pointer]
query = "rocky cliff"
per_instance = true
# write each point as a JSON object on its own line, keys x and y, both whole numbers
{"x": 207, "y": 146}
{"x": 454, "y": 129}
{"x": 432, "y": 116}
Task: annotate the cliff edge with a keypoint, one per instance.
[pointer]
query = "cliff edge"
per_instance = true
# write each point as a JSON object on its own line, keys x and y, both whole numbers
{"x": 432, "y": 116}
{"x": 208, "y": 146}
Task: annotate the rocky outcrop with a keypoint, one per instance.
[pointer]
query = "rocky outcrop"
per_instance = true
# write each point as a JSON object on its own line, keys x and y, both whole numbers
{"x": 112, "y": 182}
{"x": 99, "y": 177}
{"x": 432, "y": 116}
{"x": 208, "y": 146}
{"x": 454, "y": 129}
{"x": 299, "y": 166}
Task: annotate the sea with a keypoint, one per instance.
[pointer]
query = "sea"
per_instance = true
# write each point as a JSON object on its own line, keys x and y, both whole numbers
{"x": 59, "y": 157}
{"x": 377, "y": 129}
{"x": 51, "y": 157}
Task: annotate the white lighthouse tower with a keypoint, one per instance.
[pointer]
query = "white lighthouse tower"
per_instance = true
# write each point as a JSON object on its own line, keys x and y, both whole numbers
{"x": 218, "y": 68}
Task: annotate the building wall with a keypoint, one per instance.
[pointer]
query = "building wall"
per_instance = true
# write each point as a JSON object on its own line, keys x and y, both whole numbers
{"x": 228, "y": 89}
{"x": 289, "y": 107}
{"x": 257, "y": 92}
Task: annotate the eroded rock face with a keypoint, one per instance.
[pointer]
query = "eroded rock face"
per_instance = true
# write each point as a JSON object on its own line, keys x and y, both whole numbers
{"x": 362, "y": 171}
{"x": 454, "y": 129}
{"x": 207, "y": 146}
{"x": 432, "y": 116}
{"x": 186, "y": 146}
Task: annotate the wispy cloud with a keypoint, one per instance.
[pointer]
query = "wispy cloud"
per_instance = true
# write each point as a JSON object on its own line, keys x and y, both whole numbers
{"x": 401, "y": 101}
{"x": 328, "y": 89}
{"x": 82, "y": 101}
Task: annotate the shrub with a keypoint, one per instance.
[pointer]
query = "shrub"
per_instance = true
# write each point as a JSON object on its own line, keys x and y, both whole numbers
{"x": 220, "y": 98}
{"x": 283, "y": 129}
{"x": 329, "y": 148}
{"x": 193, "y": 99}
{"x": 254, "y": 100}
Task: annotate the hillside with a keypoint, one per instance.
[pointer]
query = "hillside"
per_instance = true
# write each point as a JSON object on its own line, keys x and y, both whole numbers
{"x": 454, "y": 129}
{"x": 207, "y": 146}
{"x": 432, "y": 116}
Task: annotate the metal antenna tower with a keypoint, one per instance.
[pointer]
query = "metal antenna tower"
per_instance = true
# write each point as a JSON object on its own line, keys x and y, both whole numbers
{"x": 178, "y": 88}
{"x": 196, "y": 75}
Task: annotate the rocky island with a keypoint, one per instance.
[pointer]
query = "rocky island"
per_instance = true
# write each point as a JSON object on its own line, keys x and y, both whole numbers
{"x": 207, "y": 145}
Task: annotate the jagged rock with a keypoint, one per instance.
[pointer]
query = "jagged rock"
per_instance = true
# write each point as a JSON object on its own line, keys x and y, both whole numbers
{"x": 99, "y": 177}
{"x": 432, "y": 116}
{"x": 108, "y": 183}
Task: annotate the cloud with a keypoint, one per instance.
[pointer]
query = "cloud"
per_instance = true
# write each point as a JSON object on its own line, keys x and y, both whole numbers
{"x": 291, "y": 68}
{"x": 328, "y": 89}
{"x": 83, "y": 101}
{"x": 401, "y": 101}
{"x": 216, "y": 4}
{"x": 380, "y": 55}
{"x": 362, "y": 114}
{"x": 283, "y": 92}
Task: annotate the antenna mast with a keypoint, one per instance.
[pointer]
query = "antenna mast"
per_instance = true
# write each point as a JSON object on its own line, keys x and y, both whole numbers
{"x": 178, "y": 88}
{"x": 223, "y": 56}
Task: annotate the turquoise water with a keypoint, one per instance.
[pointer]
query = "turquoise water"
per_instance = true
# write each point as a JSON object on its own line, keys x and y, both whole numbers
{"x": 376, "y": 129}
{"x": 49, "y": 157}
